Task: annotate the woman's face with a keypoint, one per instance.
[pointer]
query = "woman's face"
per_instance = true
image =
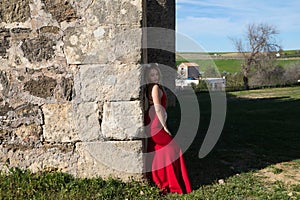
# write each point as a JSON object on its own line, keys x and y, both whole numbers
{"x": 153, "y": 76}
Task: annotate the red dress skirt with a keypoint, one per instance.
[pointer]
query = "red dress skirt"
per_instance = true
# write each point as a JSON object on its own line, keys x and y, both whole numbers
{"x": 168, "y": 169}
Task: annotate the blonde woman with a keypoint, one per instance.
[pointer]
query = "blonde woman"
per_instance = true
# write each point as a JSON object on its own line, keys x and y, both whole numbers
{"x": 168, "y": 170}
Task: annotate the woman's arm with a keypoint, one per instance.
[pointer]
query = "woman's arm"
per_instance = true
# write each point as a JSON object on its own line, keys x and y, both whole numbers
{"x": 156, "y": 94}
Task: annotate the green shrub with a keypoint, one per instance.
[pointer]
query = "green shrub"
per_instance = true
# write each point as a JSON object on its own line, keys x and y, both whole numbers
{"x": 234, "y": 81}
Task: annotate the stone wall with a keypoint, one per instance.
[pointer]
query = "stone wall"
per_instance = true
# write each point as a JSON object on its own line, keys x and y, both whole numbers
{"x": 70, "y": 78}
{"x": 161, "y": 13}
{"x": 161, "y": 42}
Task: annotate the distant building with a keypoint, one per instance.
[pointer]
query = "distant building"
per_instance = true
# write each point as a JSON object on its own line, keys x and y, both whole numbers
{"x": 215, "y": 84}
{"x": 188, "y": 73}
{"x": 188, "y": 70}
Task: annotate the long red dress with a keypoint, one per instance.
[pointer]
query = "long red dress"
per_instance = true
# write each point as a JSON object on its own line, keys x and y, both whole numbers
{"x": 168, "y": 170}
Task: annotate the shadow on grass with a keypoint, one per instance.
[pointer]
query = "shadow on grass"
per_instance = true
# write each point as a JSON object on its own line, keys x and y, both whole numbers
{"x": 256, "y": 134}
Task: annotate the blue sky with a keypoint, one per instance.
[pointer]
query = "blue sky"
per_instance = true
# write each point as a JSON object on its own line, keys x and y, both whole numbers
{"x": 206, "y": 25}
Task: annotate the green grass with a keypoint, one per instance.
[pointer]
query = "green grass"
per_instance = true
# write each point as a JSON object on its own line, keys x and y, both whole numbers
{"x": 286, "y": 62}
{"x": 291, "y": 53}
{"x": 285, "y": 93}
{"x": 20, "y": 184}
{"x": 229, "y": 65}
{"x": 261, "y": 130}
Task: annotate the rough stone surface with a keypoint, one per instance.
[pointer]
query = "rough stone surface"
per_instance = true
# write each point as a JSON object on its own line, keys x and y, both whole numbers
{"x": 43, "y": 87}
{"x": 29, "y": 134}
{"x": 111, "y": 33}
{"x": 111, "y": 158}
{"x": 87, "y": 116}
{"x": 70, "y": 83}
{"x": 49, "y": 29}
{"x": 24, "y": 114}
{"x": 60, "y": 125}
{"x": 4, "y": 41}
{"x": 122, "y": 120}
{"x": 4, "y": 84}
{"x": 47, "y": 158}
{"x": 67, "y": 86}
{"x": 61, "y": 10}
{"x": 36, "y": 86}
{"x": 14, "y": 11}
{"x": 92, "y": 85}
{"x": 103, "y": 44}
{"x": 124, "y": 12}
{"x": 37, "y": 49}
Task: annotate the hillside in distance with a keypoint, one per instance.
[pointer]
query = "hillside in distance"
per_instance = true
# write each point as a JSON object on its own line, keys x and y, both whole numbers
{"x": 286, "y": 54}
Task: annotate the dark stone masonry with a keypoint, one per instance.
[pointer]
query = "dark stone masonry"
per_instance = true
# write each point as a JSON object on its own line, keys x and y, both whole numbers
{"x": 70, "y": 75}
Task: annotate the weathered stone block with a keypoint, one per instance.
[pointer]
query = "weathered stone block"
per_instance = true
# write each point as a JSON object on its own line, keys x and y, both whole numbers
{"x": 120, "y": 159}
{"x": 102, "y": 44}
{"x": 24, "y": 114}
{"x": 94, "y": 82}
{"x": 20, "y": 30}
{"x": 67, "y": 86}
{"x": 87, "y": 121}
{"x": 108, "y": 82}
{"x": 5, "y": 135}
{"x": 43, "y": 87}
{"x": 14, "y": 11}
{"x": 65, "y": 111}
{"x": 4, "y": 84}
{"x": 122, "y": 120}
{"x": 124, "y": 12}
{"x": 29, "y": 134}
{"x": 38, "y": 49}
{"x": 4, "y": 41}
{"x": 60, "y": 124}
{"x": 46, "y": 158}
{"x": 49, "y": 29}
{"x": 61, "y": 10}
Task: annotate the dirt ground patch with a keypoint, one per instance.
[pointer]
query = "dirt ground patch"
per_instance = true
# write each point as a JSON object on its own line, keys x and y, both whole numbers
{"x": 260, "y": 96}
{"x": 278, "y": 93}
{"x": 234, "y": 54}
{"x": 286, "y": 172}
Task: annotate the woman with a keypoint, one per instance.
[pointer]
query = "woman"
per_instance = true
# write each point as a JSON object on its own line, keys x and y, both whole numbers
{"x": 168, "y": 170}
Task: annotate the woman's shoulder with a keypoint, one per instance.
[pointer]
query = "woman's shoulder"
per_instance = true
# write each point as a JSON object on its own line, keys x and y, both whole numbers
{"x": 154, "y": 85}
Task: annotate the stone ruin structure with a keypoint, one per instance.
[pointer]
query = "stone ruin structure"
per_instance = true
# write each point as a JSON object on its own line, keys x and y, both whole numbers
{"x": 70, "y": 74}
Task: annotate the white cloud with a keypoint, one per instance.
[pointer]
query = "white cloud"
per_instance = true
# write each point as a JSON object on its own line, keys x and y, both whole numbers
{"x": 244, "y": 10}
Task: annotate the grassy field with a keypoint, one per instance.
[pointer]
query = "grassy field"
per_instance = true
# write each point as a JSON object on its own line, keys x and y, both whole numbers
{"x": 230, "y": 62}
{"x": 230, "y": 65}
{"x": 257, "y": 157}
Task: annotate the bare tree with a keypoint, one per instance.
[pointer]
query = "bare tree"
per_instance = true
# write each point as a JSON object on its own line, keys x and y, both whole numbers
{"x": 258, "y": 48}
